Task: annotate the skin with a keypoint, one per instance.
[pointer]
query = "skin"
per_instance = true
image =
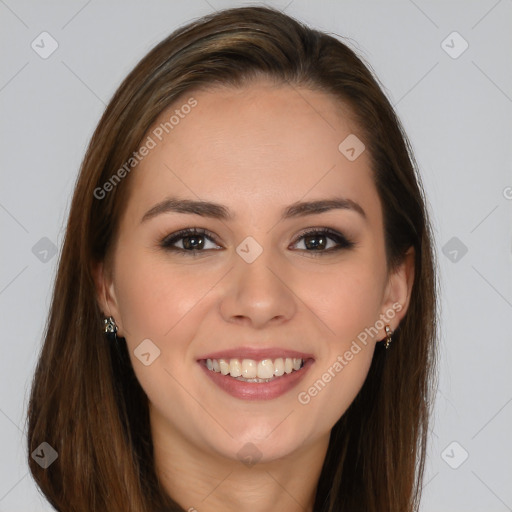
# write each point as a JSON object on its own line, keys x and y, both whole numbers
{"x": 254, "y": 150}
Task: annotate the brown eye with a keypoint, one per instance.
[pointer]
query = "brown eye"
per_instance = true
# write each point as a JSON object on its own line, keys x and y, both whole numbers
{"x": 321, "y": 241}
{"x": 316, "y": 242}
{"x": 192, "y": 240}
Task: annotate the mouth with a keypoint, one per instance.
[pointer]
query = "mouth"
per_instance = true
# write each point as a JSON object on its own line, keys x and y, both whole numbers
{"x": 250, "y": 370}
{"x": 261, "y": 378}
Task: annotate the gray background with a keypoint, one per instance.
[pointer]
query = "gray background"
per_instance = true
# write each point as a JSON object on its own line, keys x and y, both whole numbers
{"x": 456, "y": 111}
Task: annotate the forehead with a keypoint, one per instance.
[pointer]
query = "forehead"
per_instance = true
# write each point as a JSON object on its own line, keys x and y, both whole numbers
{"x": 264, "y": 143}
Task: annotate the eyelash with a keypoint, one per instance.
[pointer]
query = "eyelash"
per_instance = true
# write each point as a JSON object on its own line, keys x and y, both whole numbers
{"x": 169, "y": 240}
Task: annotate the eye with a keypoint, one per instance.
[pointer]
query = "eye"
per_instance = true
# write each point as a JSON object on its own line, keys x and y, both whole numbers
{"x": 315, "y": 241}
{"x": 319, "y": 241}
{"x": 192, "y": 241}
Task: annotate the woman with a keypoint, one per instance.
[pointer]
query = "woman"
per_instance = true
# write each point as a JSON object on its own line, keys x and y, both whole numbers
{"x": 244, "y": 314}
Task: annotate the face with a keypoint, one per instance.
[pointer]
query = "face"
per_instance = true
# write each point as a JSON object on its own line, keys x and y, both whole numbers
{"x": 265, "y": 288}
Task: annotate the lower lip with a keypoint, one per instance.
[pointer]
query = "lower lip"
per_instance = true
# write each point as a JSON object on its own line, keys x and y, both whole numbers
{"x": 258, "y": 390}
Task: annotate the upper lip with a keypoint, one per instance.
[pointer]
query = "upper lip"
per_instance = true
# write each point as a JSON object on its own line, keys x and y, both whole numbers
{"x": 256, "y": 354}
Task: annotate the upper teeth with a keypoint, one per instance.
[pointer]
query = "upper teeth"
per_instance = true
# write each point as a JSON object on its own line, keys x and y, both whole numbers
{"x": 251, "y": 369}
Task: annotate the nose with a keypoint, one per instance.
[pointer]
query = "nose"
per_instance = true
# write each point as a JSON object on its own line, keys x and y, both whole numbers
{"x": 259, "y": 293}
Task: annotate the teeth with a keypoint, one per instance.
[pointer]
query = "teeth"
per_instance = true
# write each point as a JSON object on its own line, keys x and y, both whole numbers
{"x": 265, "y": 369}
{"x": 279, "y": 367}
{"x": 224, "y": 366}
{"x": 235, "y": 368}
{"x": 250, "y": 370}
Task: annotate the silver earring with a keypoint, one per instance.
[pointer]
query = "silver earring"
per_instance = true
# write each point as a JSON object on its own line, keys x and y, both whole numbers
{"x": 389, "y": 333}
{"x": 110, "y": 328}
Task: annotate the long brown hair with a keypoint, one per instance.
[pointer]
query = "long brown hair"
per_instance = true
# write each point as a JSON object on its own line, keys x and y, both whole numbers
{"x": 85, "y": 399}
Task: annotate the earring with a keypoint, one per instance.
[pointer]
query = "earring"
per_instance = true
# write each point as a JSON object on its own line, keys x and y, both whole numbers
{"x": 110, "y": 328}
{"x": 389, "y": 333}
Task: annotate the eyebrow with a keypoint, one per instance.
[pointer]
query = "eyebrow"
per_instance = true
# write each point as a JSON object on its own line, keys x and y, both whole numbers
{"x": 218, "y": 211}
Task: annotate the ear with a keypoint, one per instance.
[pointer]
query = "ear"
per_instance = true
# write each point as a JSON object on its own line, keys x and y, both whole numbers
{"x": 105, "y": 294}
{"x": 398, "y": 291}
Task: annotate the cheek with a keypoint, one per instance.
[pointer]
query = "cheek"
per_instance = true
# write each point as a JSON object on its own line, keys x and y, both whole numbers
{"x": 346, "y": 352}
{"x": 348, "y": 302}
{"x": 347, "y": 299}
{"x": 160, "y": 302}
{"x": 153, "y": 296}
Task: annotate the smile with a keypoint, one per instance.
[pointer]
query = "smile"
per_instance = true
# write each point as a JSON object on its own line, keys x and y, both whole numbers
{"x": 264, "y": 378}
{"x": 250, "y": 370}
